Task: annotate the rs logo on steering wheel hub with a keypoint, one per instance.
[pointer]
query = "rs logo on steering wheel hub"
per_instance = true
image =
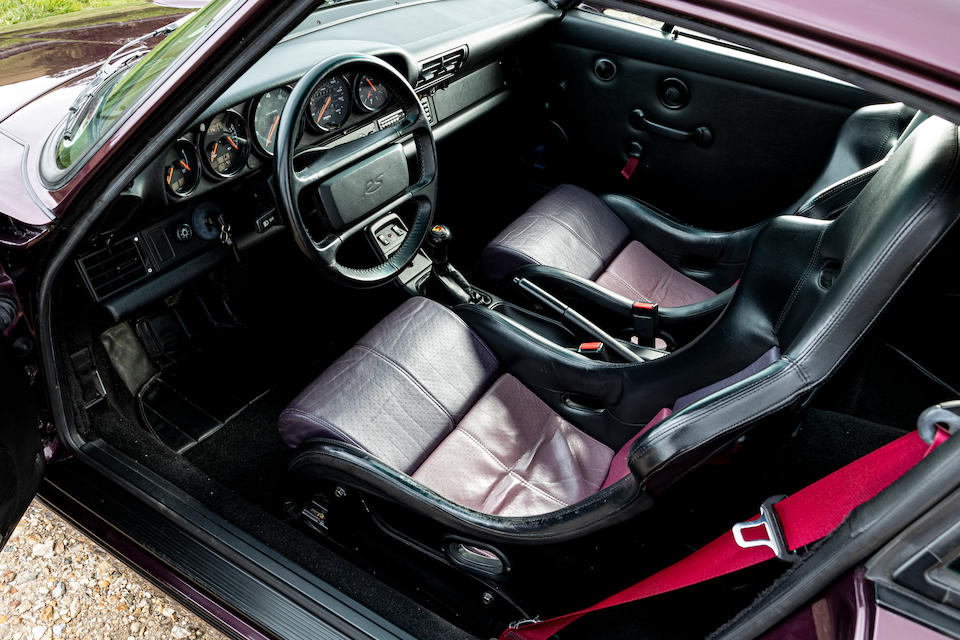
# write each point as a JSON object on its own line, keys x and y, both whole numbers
{"x": 373, "y": 184}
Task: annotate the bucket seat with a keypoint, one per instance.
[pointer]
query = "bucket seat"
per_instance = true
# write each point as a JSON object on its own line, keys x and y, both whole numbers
{"x": 636, "y": 251}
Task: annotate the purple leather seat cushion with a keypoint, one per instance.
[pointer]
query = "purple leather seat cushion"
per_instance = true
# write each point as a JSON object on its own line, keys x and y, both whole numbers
{"x": 574, "y": 230}
{"x": 512, "y": 455}
{"x": 569, "y": 228}
{"x": 400, "y": 390}
{"x": 639, "y": 274}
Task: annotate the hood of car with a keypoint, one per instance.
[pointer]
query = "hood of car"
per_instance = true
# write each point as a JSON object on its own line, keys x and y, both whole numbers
{"x": 39, "y": 56}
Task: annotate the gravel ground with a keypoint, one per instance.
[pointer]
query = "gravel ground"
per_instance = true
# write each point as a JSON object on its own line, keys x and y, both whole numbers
{"x": 55, "y": 583}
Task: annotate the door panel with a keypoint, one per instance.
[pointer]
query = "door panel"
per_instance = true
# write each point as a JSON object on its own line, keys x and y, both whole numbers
{"x": 773, "y": 125}
{"x": 21, "y": 455}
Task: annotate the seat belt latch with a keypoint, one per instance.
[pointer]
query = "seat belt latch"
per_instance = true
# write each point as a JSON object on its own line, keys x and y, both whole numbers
{"x": 776, "y": 539}
{"x": 646, "y": 320}
{"x": 633, "y": 159}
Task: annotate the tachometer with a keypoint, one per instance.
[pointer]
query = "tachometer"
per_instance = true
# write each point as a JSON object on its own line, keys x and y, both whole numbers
{"x": 266, "y": 118}
{"x": 226, "y": 144}
{"x": 330, "y": 104}
{"x": 181, "y": 168}
{"x": 371, "y": 94}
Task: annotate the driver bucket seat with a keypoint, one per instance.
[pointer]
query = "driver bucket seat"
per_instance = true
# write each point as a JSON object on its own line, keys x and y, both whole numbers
{"x": 464, "y": 418}
{"x": 636, "y": 251}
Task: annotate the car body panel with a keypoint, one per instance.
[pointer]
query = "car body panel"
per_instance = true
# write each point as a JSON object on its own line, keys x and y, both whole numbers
{"x": 910, "y": 45}
{"x": 892, "y": 626}
{"x": 21, "y": 456}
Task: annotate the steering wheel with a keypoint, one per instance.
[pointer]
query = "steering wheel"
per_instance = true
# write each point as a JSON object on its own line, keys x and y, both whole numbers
{"x": 355, "y": 182}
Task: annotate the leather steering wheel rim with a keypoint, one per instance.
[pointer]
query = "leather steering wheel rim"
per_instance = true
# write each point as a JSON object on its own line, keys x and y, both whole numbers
{"x": 352, "y": 157}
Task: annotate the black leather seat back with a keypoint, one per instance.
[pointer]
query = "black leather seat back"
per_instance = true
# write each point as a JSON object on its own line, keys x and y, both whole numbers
{"x": 814, "y": 288}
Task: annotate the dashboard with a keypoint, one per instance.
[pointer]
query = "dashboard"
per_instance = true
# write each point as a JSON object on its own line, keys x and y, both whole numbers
{"x": 209, "y": 195}
{"x": 242, "y": 138}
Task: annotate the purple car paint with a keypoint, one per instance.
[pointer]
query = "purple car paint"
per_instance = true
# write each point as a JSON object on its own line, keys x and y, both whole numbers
{"x": 24, "y": 132}
{"x": 892, "y": 626}
{"x": 914, "y": 48}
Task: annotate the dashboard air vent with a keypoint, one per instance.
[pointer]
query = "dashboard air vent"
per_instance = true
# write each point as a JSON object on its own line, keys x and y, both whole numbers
{"x": 442, "y": 67}
{"x": 109, "y": 270}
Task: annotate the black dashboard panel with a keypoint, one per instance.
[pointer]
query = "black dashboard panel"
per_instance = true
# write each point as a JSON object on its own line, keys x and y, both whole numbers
{"x": 403, "y": 34}
{"x": 450, "y": 50}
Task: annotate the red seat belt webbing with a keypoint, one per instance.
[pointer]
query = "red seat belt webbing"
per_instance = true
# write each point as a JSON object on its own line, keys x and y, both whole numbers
{"x": 807, "y": 516}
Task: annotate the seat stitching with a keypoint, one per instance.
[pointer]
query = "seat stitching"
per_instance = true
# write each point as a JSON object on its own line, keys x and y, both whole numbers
{"x": 616, "y": 275}
{"x": 800, "y": 281}
{"x": 473, "y": 335}
{"x": 323, "y": 422}
{"x": 571, "y": 230}
{"x": 410, "y": 377}
{"x": 509, "y": 249}
{"x": 510, "y": 471}
{"x": 839, "y": 186}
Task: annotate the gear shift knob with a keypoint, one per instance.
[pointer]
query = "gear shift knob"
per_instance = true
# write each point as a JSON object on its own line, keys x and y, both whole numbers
{"x": 439, "y": 240}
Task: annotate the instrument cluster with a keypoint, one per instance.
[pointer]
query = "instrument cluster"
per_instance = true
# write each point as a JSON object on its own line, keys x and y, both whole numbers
{"x": 244, "y": 137}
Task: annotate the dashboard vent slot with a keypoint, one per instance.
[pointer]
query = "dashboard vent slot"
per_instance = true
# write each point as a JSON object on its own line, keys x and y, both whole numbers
{"x": 111, "y": 269}
{"x": 440, "y": 68}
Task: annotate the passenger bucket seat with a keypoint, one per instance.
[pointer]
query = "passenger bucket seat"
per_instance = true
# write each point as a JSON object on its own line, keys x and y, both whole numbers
{"x": 463, "y": 416}
{"x": 638, "y": 252}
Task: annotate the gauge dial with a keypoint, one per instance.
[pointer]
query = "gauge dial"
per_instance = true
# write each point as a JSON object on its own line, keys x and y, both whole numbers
{"x": 371, "y": 94}
{"x": 226, "y": 144}
{"x": 266, "y": 118}
{"x": 181, "y": 168}
{"x": 330, "y": 104}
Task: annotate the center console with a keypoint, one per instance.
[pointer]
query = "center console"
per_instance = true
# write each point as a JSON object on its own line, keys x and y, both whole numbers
{"x": 571, "y": 313}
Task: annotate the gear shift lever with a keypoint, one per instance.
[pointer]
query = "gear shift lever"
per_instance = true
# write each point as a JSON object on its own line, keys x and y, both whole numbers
{"x": 438, "y": 241}
{"x": 437, "y": 245}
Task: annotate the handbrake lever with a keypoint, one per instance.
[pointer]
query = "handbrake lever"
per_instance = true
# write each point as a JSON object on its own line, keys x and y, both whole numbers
{"x": 575, "y": 320}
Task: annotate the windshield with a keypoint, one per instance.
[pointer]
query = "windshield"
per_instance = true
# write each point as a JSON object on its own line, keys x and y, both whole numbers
{"x": 122, "y": 90}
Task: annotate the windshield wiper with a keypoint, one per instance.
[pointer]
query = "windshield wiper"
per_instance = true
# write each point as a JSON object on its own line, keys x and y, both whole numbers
{"x": 117, "y": 61}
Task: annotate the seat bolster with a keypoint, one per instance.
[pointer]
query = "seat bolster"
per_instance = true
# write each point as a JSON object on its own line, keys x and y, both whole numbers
{"x": 569, "y": 228}
{"x": 397, "y": 393}
{"x": 865, "y": 138}
{"x": 713, "y": 258}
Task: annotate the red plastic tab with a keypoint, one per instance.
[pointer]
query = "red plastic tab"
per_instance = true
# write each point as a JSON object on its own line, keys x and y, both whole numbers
{"x": 644, "y": 306}
{"x": 590, "y": 347}
{"x": 629, "y": 168}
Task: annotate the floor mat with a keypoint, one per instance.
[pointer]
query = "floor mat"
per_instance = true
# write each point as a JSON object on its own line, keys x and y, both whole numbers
{"x": 247, "y": 454}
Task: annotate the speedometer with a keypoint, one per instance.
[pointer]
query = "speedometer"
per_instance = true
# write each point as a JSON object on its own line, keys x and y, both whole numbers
{"x": 330, "y": 104}
{"x": 266, "y": 118}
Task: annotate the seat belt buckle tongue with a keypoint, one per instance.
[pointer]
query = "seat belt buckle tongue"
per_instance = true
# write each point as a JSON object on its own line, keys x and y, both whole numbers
{"x": 646, "y": 321}
{"x": 776, "y": 539}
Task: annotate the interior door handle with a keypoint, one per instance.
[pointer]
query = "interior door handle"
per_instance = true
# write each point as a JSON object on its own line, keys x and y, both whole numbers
{"x": 701, "y": 136}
